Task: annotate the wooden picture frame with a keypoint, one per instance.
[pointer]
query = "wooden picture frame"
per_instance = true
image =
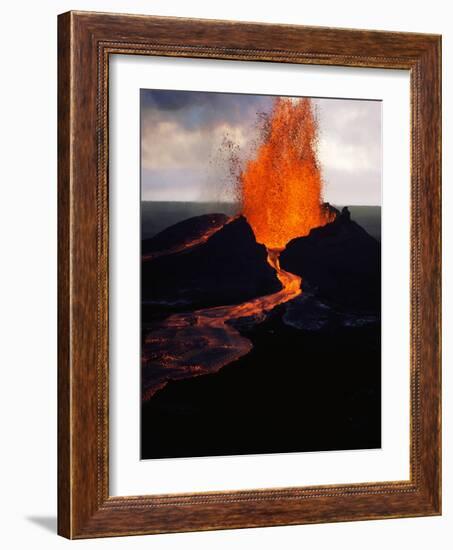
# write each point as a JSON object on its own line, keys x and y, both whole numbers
{"x": 85, "y": 42}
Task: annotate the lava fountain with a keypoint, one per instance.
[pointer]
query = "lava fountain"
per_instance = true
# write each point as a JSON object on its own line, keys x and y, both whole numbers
{"x": 281, "y": 188}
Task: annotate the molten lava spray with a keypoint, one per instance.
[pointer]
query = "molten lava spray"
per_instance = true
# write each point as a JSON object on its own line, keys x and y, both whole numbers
{"x": 281, "y": 187}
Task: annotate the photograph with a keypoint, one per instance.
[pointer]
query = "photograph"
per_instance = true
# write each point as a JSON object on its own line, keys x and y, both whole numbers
{"x": 260, "y": 273}
{"x": 225, "y": 283}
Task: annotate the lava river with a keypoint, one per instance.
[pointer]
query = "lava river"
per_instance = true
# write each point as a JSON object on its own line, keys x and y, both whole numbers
{"x": 203, "y": 341}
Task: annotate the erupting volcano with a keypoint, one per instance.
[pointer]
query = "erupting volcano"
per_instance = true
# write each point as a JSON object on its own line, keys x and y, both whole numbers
{"x": 260, "y": 313}
{"x": 281, "y": 200}
{"x": 282, "y": 187}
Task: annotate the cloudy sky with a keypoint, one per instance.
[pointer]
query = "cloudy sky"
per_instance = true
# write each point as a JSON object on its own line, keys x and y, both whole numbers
{"x": 184, "y": 157}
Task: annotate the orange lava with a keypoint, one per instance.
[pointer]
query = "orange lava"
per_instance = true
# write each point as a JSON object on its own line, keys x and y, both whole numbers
{"x": 203, "y": 341}
{"x": 281, "y": 187}
{"x": 291, "y": 282}
{"x": 291, "y": 288}
{"x": 186, "y": 245}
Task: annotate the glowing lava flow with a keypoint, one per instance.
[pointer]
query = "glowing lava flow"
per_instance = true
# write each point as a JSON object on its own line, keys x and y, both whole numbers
{"x": 187, "y": 245}
{"x": 203, "y": 341}
{"x": 290, "y": 281}
{"x": 216, "y": 316}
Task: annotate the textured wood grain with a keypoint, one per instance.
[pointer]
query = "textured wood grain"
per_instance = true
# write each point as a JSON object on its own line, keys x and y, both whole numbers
{"x": 64, "y": 370}
{"x": 86, "y": 40}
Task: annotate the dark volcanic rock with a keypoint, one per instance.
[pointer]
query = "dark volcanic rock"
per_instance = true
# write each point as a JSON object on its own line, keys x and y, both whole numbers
{"x": 308, "y": 313}
{"x": 340, "y": 262}
{"x": 183, "y": 233}
{"x": 230, "y": 267}
{"x": 297, "y": 390}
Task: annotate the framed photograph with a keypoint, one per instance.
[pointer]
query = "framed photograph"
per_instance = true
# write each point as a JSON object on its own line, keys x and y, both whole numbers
{"x": 249, "y": 275}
